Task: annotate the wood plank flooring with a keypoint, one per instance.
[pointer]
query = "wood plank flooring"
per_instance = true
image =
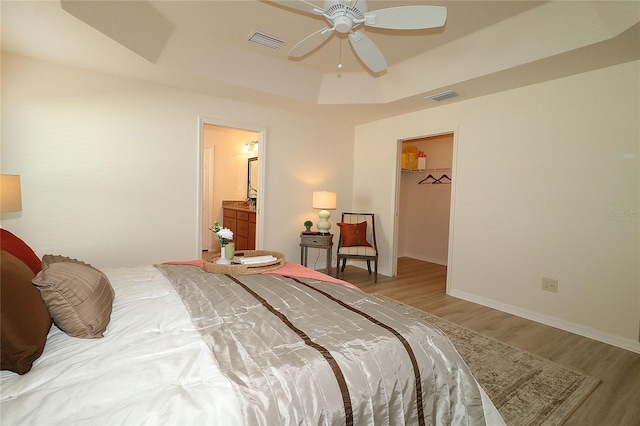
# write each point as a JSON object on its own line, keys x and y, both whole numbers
{"x": 615, "y": 402}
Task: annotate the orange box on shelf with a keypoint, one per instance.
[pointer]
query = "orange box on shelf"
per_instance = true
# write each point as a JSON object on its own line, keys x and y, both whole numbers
{"x": 409, "y": 158}
{"x": 409, "y": 161}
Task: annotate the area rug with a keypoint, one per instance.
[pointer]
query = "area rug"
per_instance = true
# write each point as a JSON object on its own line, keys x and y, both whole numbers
{"x": 525, "y": 388}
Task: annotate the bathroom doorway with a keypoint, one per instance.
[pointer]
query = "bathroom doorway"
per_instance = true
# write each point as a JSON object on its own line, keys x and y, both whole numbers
{"x": 224, "y": 173}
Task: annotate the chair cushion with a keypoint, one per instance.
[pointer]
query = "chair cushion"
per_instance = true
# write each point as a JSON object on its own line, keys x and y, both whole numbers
{"x": 354, "y": 234}
{"x": 78, "y": 296}
{"x": 24, "y": 320}
{"x": 357, "y": 251}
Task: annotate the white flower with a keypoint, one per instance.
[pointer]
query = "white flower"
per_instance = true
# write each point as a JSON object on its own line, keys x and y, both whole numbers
{"x": 225, "y": 233}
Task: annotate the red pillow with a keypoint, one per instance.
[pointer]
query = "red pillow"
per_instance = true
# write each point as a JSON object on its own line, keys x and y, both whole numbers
{"x": 24, "y": 319}
{"x": 19, "y": 249}
{"x": 354, "y": 234}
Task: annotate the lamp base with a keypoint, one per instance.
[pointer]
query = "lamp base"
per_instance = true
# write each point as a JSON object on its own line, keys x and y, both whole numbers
{"x": 323, "y": 224}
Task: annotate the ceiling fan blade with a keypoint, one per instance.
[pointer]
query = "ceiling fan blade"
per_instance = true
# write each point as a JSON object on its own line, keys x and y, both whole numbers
{"x": 407, "y": 17}
{"x": 300, "y": 5}
{"x": 311, "y": 42}
{"x": 368, "y": 52}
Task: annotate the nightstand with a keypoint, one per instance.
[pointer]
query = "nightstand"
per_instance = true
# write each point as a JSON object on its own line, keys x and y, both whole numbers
{"x": 318, "y": 241}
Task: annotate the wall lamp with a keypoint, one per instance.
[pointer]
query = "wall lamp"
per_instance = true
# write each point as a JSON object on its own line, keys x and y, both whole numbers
{"x": 251, "y": 147}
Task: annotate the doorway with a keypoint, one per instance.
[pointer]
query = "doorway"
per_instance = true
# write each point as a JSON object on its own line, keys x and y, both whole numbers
{"x": 223, "y": 168}
{"x": 424, "y": 198}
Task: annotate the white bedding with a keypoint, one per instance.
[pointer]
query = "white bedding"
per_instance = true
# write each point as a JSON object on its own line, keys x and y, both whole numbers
{"x": 148, "y": 369}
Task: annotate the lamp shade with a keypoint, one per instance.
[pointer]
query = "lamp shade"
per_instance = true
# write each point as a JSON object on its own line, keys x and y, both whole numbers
{"x": 324, "y": 200}
{"x": 10, "y": 195}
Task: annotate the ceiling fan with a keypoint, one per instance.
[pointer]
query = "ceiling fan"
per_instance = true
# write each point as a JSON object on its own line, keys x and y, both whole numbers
{"x": 345, "y": 16}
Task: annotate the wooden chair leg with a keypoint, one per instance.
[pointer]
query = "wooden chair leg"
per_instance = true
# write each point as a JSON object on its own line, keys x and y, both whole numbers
{"x": 375, "y": 275}
{"x": 369, "y": 266}
{"x": 344, "y": 263}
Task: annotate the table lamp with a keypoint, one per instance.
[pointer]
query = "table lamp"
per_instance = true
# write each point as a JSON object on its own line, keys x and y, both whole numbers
{"x": 10, "y": 195}
{"x": 324, "y": 201}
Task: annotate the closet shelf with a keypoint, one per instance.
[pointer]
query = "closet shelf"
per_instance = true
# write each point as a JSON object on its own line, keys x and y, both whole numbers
{"x": 445, "y": 169}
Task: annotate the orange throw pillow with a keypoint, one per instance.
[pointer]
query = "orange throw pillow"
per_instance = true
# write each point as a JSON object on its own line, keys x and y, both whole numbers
{"x": 354, "y": 234}
{"x": 20, "y": 249}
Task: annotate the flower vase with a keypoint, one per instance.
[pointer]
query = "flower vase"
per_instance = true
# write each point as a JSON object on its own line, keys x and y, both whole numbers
{"x": 223, "y": 259}
{"x": 230, "y": 251}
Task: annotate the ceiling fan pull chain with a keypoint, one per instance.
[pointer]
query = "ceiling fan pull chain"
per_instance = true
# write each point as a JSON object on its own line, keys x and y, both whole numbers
{"x": 340, "y": 58}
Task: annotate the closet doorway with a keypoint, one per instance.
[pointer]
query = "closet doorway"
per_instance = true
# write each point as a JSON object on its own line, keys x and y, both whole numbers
{"x": 424, "y": 202}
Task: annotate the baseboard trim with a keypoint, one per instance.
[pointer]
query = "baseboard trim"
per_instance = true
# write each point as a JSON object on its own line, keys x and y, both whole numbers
{"x": 591, "y": 333}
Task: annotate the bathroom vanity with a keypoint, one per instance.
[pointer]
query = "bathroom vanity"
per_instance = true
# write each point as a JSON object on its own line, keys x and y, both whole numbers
{"x": 242, "y": 222}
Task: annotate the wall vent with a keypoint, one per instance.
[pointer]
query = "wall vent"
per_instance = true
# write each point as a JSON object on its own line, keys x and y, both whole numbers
{"x": 443, "y": 95}
{"x": 265, "y": 40}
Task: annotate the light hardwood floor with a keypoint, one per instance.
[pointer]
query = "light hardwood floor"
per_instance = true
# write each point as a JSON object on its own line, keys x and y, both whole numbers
{"x": 615, "y": 402}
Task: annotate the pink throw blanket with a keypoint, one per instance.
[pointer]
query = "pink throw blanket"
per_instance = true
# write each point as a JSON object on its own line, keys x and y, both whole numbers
{"x": 299, "y": 271}
{"x": 287, "y": 270}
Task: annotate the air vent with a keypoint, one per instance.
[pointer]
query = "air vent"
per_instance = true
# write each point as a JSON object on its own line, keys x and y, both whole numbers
{"x": 444, "y": 95}
{"x": 265, "y": 40}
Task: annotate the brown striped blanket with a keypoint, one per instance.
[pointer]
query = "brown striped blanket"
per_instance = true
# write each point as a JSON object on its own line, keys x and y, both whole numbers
{"x": 299, "y": 351}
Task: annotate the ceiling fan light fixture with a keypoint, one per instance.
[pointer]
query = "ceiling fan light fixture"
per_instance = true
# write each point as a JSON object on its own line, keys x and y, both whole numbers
{"x": 266, "y": 40}
{"x": 343, "y": 24}
{"x": 439, "y": 97}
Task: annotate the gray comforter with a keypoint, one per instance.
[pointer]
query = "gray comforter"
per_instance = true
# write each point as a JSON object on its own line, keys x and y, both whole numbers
{"x": 299, "y": 351}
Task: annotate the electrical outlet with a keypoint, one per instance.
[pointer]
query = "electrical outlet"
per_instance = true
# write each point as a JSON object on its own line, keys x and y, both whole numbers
{"x": 549, "y": 284}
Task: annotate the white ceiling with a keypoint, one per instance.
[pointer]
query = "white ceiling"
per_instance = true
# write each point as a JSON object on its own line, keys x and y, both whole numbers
{"x": 485, "y": 47}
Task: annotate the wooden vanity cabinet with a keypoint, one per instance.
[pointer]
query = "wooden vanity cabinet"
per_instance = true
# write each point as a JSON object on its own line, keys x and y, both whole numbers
{"x": 243, "y": 225}
{"x": 252, "y": 231}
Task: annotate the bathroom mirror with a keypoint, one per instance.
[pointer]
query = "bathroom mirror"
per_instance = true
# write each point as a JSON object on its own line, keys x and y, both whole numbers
{"x": 252, "y": 178}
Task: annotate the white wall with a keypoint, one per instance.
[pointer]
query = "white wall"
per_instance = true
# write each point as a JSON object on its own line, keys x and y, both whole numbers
{"x": 545, "y": 185}
{"x": 110, "y": 166}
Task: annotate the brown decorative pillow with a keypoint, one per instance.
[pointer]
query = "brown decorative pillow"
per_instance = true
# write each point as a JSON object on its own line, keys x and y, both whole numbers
{"x": 354, "y": 234}
{"x": 24, "y": 318}
{"x": 78, "y": 296}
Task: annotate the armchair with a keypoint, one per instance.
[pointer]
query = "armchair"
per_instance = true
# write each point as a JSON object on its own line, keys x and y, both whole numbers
{"x": 357, "y": 241}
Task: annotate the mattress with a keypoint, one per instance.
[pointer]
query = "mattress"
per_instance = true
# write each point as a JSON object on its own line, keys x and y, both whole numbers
{"x": 155, "y": 365}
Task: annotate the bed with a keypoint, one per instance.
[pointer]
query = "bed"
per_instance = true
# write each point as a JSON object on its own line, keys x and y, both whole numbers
{"x": 185, "y": 346}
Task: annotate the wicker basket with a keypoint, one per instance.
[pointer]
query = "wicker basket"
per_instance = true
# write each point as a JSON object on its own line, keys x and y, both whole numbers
{"x": 234, "y": 269}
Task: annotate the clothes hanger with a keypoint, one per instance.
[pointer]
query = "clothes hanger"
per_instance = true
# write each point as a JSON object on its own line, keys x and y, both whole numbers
{"x": 444, "y": 176}
{"x": 427, "y": 178}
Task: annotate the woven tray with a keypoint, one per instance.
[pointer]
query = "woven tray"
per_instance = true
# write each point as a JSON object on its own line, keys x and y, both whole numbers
{"x": 214, "y": 268}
